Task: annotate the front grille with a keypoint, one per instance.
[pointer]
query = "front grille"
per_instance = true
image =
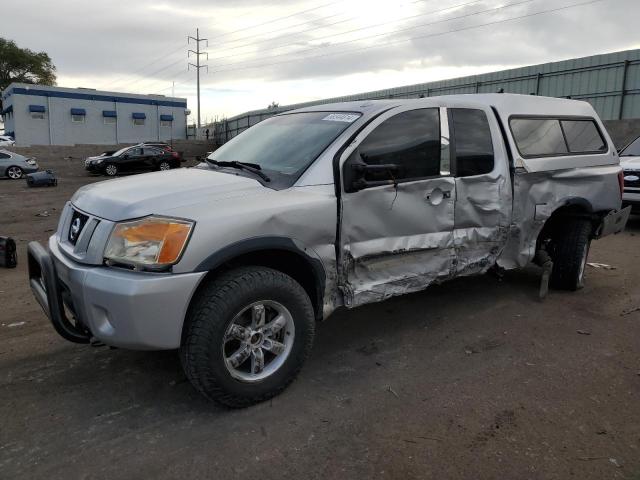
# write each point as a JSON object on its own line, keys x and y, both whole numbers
{"x": 631, "y": 179}
{"x": 78, "y": 221}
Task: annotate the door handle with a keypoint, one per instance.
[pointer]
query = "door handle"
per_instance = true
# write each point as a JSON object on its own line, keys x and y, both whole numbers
{"x": 437, "y": 195}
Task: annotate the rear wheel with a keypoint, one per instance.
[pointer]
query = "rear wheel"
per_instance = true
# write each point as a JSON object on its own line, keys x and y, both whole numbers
{"x": 164, "y": 165}
{"x": 111, "y": 170}
{"x": 247, "y": 335}
{"x": 570, "y": 249}
{"x": 14, "y": 173}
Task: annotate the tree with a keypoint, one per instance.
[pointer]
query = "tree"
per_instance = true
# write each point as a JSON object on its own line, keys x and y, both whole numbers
{"x": 24, "y": 65}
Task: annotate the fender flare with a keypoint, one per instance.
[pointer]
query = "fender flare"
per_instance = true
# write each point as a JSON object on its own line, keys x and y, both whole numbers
{"x": 257, "y": 244}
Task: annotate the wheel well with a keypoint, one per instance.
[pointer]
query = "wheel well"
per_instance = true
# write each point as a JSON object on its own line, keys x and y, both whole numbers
{"x": 577, "y": 208}
{"x": 285, "y": 261}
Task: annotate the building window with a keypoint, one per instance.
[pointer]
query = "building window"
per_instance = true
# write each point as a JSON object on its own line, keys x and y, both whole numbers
{"x": 37, "y": 115}
{"x": 77, "y": 118}
{"x": 165, "y": 123}
{"x": 138, "y": 118}
{"x": 110, "y": 120}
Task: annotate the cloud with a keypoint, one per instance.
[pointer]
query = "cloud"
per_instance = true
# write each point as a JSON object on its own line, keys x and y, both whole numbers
{"x": 141, "y": 46}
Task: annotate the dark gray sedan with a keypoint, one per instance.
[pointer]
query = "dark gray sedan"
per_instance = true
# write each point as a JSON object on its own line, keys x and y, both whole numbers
{"x": 15, "y": 166}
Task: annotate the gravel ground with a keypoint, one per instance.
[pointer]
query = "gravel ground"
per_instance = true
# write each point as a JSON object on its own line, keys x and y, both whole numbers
{"x": 472, "y": 379}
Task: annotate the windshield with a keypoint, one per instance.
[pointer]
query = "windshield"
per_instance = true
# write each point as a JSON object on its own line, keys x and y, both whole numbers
{"x": 120, "y": 152}
{"x": 286, "y": 144}
{"x": 632, "y": 150}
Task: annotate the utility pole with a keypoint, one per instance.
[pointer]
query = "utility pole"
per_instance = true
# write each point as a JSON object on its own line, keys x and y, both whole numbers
{"x": 197, "y": 65}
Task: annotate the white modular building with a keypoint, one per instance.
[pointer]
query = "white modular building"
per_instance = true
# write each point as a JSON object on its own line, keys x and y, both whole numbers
{"x": 42, "y": 115}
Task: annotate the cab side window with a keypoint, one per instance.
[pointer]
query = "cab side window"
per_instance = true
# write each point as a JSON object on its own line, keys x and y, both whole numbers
{"x": 410, "y": 140}
{"x": 473, "y": 144}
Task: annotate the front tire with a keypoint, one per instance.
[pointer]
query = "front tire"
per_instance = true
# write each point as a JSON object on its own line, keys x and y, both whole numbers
{"x": 14, "y": 173}
{"x": 247, "y": 336}
{"x": 570, "y": 250}
{"x": 111, "y": 170}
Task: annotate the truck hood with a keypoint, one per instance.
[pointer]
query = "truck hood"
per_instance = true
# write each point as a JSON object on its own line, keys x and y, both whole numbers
{"x": 630, "y": 163}
{"x": 160, "y": 192}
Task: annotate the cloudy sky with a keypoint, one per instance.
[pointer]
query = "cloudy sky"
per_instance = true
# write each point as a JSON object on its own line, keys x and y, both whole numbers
{"x": 291, "y": 51}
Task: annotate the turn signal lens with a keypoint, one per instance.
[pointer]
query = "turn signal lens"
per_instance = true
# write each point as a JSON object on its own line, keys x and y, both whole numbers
{"x": 150, "y": 241}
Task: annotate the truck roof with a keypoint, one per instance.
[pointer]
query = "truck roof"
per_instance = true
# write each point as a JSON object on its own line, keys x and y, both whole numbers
{"x": 507, "y": 104}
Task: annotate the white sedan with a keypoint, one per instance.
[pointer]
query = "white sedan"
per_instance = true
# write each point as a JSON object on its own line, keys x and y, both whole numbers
{"x": 6, "y": 141}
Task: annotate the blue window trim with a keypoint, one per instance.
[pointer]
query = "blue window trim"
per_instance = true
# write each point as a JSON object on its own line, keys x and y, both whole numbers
{"x": 78, "y": 111}
{"x": 87, "y": 96}
{"x": 138, "y": 115}
{"x": 36, "y": 109}
{"x": 166, "y": 118}
{"x": 109, "y": 113}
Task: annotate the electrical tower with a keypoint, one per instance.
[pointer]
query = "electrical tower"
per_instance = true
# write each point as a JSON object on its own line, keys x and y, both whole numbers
{"x": 197, "y": 65}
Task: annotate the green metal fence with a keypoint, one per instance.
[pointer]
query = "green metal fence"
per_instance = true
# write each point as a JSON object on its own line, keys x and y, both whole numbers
{"x": 610, "y": 82}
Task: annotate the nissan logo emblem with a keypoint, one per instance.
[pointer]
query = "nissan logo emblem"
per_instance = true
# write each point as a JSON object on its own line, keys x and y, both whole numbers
{"x": 75, "y": 229}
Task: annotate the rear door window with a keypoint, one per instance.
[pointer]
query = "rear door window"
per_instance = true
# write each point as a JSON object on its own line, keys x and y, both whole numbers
{"x": 473, "y": 144}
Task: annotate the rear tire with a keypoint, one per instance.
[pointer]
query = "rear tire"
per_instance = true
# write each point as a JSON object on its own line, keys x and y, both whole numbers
{"x": 208, "y": 338}
{"x": 164, "y": 165}
{"x": 570, "y": 250}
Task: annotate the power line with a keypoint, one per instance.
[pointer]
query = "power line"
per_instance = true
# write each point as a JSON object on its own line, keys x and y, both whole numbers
{"x": 497, "y": 22}
{"x": 145, "y": 66}
{"x": 333, "y": 35}
{"x": 395, "y": 32}
{"x": 276, "y": 20}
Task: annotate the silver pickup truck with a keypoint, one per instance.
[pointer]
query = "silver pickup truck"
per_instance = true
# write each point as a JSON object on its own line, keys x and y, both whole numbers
{"x": 339, "y": 205}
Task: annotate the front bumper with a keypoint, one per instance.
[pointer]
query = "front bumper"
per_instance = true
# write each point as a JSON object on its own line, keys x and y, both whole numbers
{"x": 631, "y": 199}
{"x": 140, "y": 311}
{"x": 94, "y": 167}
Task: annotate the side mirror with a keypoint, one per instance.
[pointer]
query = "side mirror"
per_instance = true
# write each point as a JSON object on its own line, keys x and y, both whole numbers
{"x": 365, "y": 176}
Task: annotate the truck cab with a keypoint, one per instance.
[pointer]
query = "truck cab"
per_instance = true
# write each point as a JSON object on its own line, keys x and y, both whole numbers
{"x": 331, "y": 206}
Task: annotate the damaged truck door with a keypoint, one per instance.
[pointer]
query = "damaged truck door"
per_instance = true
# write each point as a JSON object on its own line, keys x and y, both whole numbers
{"x": 397, "y": 212}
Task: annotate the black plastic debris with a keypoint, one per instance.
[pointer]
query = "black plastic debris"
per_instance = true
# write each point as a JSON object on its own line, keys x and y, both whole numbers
{"x": 8, "y": 256}
{"x": 45, "y": 178}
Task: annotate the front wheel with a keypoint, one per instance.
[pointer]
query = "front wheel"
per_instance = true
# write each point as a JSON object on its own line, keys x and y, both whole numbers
{"x": 14, "y": 173}
{"x": 570, "y": 250}
{"x": 111, "y": 170}
{"x": 247, "y": 336}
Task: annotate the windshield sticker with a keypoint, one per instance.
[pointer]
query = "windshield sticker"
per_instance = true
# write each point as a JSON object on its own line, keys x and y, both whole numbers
{"x": 341, "y": 117}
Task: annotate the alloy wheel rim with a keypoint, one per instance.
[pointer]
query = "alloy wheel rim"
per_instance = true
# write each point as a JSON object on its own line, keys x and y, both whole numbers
{"x": 14, "y": 173}
{"x": 165, "y": 166}
{"x": 258, "y": 341}
{"x": 111, "y": 170}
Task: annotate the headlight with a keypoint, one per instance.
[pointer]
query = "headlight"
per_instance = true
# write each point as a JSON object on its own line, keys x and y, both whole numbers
{"x": 98, "y": 162}
{"x": 152, "y": 241}
{"x": 31, "y": 162}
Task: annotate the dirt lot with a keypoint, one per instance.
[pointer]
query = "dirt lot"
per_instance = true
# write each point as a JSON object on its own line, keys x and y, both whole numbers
{"x": 473, "y": 379}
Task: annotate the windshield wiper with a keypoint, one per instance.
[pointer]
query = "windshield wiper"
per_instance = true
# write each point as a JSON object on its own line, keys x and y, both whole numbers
{"x": 250, "y": 167}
